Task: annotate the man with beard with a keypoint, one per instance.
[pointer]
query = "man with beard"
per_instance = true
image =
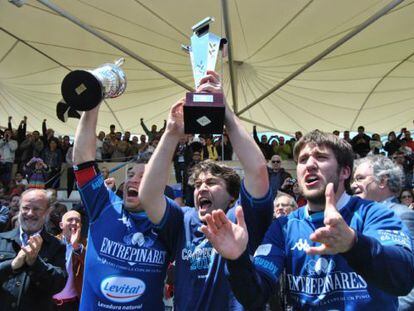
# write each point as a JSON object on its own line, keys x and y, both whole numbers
{"x": 125, "y": 263}
{"x": 339, "y": 252}
{"x": 200, "y": 279}
{"x": 32, "y": 262}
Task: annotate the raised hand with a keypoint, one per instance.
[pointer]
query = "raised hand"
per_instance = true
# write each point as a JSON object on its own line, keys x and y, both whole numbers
{"x": 110, "y": 183}
{"x": 229, "y": 239}
{"x": 32, "y": 249}
{"x": 175, "y": 123}
{"x": 75, "y": 234}
{"x": 336, "y": 237}
{"x": 211, "y": 83}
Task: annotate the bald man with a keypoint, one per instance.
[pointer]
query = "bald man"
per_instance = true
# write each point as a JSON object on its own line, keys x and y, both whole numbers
{"x": 68, "y": 299}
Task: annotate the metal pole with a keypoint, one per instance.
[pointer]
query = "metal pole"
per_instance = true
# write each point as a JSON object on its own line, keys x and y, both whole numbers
{"x": 115, "y": 44}
{"x": 227, "y": 29}
{"x": 331, "y": 48}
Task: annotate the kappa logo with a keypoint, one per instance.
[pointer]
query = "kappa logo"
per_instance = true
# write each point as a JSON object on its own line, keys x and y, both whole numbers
{"x": 301, "y": 245}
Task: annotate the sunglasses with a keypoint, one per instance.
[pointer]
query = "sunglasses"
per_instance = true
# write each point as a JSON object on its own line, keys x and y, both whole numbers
{"x": 406, "y": 197}
{"x": 276, "y": 161}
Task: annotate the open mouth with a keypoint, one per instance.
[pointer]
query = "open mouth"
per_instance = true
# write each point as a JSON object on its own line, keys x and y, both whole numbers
{"x": 132, "y": 192}
{"x": 204, "y": 203}
{"x": 311, "y": 180}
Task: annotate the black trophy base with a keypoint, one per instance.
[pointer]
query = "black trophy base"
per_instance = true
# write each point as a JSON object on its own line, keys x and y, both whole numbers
{"x": 204, "y": 113}
{"x": 81, "y": 90}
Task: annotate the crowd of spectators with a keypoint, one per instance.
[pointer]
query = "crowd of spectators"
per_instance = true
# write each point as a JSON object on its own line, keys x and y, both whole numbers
{"x": 39, "y": 157}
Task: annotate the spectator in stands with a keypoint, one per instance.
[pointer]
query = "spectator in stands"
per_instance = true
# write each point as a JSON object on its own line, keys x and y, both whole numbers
{"x": 68, "y": 299}
{"x": 52, "y": 157}
{"x": 407, "y": 198}
{"x": 111, "y": 133}
{"x": 375, "y": 144}
{"x": 153, "y": 133}
{"x": 224, "y": 148}
{"x": 277, "y": 174}
{"x": 127, "y": 137}
{"x": 13, "y": 212}
{"x": 4, "y": 217}
{"x": 121, "y": 149}
{"x": 31, "y": 147}
{"x": 377, "y": 178}
{"x": 134, "y": 148}
{"x": 48, "y": 134}
{"x": 291, "y": 187}
{"x": 8, "y": 147}
{"x": 179, "y": 159}
{"x": 263, "y": 144}
{"x": 32, "y": 262}
{"x": 209, "y": 150}
{"x": 57, "y": 210}
{"x": 360, "y": 143}
{"x": 298, "y": 135}
{"x": 37, "y": 173}
{"x": 20, "y": 179}
{"x": 409, "y": 140}
{"x": 283, "y": 205}
{"x": 336, "y": 133}
{"x": 99, "y": 146}
{"x": 392, "y": 144}
{"x": 405, "y": 148}
{"x": 64, "y": 146}
{"x": 347, "y": 138}
{"x": 406, "y": 163}
{"x": 283, "y": 150}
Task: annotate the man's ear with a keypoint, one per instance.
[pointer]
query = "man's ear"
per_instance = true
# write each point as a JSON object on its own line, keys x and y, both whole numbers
{"x": 345, "y": 173}
{"x": 61, "y": 225}
{"x": 383, "y": 182}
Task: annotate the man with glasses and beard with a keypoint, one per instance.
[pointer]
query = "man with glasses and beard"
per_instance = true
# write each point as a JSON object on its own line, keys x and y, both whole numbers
{"x": 277, "y": 174}
{"x": 32, "y": 262}
{"x": 339, "y": 252}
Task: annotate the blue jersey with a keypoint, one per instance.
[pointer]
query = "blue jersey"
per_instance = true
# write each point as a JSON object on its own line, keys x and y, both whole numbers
{"x": 200, "y": 280}
{"x": 126, "y": 262}
{"x": 349, "y": 281}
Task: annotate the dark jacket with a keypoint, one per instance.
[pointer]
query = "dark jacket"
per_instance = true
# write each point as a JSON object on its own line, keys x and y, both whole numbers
{"x": 31, "y": 288}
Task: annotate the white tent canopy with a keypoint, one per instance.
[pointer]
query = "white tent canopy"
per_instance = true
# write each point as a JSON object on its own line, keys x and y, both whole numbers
{"x": 368, "y": 80}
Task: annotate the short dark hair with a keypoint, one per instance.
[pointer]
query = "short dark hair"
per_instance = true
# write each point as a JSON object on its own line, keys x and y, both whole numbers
{"x": 340, "y": 147}
{"x": 229, "y": 175}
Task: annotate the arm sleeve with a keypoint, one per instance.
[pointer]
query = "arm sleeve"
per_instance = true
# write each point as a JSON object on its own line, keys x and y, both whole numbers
{"x": 383, "y": 254}
{"x": 254, "y": 282}
{"x": 95, "y": 196}
{"x": 258, "y": 215}
{"x": 171, "y": 225}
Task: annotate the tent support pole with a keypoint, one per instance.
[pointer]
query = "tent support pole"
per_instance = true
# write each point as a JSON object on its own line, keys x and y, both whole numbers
{"x": 115, "y": 44}
{"x": 331, "y": 48}
{"x": 227, "y": 29}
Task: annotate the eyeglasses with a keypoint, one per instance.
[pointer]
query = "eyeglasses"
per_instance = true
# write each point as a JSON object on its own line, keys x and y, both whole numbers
{"x": 406, "y": 196}
{"x": 277, "y": 161}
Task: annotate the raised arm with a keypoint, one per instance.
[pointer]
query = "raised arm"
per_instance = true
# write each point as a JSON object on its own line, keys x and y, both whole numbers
{"x": 151, "y": 192}
{"x": 251, "y": 158}
{"x": 144, "y": 127}
{"x": 84, "y": 147}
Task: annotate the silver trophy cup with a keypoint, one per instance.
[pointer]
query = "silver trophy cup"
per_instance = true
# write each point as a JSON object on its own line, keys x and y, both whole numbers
{"x": 83, "y": 90}
{"x": 204, "y": 112}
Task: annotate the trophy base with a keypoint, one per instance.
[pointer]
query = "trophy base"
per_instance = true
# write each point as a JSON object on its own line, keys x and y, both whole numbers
{"x": 204, "y": 113}
{"x": 81, "y": 90}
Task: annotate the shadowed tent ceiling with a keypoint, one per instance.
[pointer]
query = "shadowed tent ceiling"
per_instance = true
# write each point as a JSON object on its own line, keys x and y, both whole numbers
{"x": 368, "y": 80}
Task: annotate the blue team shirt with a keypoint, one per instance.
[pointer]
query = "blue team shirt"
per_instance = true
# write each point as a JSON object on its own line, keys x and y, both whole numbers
{"x": 200, "y": 280}
{"x": 327, "y": 282}
{"x": 126, "y": 262}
